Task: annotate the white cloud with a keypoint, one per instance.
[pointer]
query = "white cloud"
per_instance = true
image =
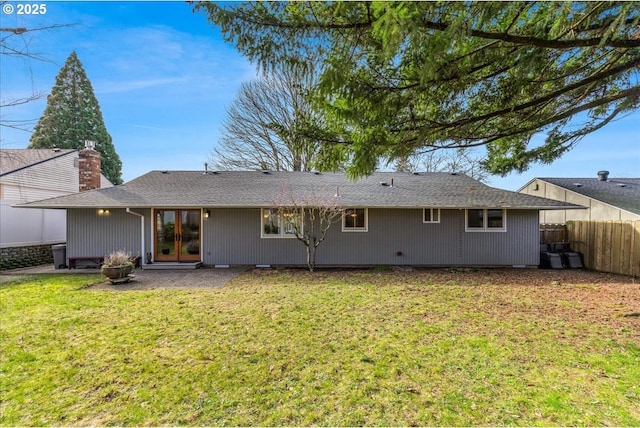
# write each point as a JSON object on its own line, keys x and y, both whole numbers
{"x": 169, "y": 61}
{"x": 119, "y": 86}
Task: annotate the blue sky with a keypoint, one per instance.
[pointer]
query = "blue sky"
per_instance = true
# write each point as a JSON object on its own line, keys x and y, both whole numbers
{"x": 163, "y": 78}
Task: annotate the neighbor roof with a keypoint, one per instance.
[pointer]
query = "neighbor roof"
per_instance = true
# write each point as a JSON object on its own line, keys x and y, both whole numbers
{"x": 12, "y": 160}
{"x": 171, "y": 189}
{"x": 623, "y": 193}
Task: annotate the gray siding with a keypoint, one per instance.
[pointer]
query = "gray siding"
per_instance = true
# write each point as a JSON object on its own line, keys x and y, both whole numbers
{"x": 393, "y": 231}
{"x": 232, "y": 236}
{"x": 520, "y": 245}
{"x": 91, "y": 234}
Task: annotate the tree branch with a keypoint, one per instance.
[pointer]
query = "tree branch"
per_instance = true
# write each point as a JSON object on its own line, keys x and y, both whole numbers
{"x": 538, "y": 42}
{"x": 553, "y": 95}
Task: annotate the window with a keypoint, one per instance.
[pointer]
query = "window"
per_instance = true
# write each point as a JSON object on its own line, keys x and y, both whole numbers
{"x": 355, "y": 220}
{"x": 278, "y": 225}
{"x": 486, "y": 220}
{"x": 431, "y": 215}
{"x": 495, "y": 219}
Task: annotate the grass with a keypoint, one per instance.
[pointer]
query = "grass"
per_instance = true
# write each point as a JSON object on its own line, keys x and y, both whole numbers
{"x": 291, "y": 348}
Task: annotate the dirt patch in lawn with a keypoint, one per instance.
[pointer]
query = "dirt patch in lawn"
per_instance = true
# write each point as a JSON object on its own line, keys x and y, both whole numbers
{"x": 468, "y": 276}
{"x": 583, "y": 296}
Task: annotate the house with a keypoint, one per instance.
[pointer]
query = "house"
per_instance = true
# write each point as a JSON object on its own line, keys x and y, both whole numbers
{"x": 228, "y": 218}
{"x": 605, "y": 198}
{"x": 28, "y": 175}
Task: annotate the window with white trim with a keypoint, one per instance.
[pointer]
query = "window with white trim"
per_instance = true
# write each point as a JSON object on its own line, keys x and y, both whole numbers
{"x": 486, "y": 220}
{"x": 277, "y": 224}
{"x": 355, "y": 220}
{"x": 431, "y": 215}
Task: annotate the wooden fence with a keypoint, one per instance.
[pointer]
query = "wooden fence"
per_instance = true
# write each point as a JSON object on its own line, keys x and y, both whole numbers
{"x": 608, "y": 246}
{"x": 550, "y": 233}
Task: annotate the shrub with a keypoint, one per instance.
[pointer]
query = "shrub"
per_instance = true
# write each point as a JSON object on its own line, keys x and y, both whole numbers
{"x": 118, "y": 259}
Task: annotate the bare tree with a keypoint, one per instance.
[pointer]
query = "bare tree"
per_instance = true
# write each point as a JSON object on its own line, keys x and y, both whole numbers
{"x": 453, "y": 160}
{"x": 14, "y": 44}
{"x": 307, "y": 217}
{"x": 19, "y": 124}
{"x": 271, "y": 125}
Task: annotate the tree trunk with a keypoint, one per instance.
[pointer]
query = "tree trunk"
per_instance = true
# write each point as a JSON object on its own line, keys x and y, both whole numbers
{"x": 311, "y": 257}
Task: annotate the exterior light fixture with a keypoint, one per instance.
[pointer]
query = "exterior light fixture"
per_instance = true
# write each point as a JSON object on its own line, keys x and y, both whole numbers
{"x": 207, "y": 213}
{"x": 103, "y": 211}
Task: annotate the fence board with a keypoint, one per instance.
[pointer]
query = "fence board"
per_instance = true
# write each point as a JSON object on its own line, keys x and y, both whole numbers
{"x": 625, "y": 250}
{"x": 550, "y": 233}
{"x": 598, "y": 256}
{"x": 635, "y": 244}
{"x": 592, "y": 242}
{"x": 616, "y": 247}
{"x": 607, "y": 246}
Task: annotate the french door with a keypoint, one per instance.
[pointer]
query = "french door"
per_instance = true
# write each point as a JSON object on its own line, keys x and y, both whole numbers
{"x": 177, "y": 235}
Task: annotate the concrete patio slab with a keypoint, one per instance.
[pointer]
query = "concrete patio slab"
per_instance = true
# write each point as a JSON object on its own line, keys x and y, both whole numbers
{"x": 206, "y": 277}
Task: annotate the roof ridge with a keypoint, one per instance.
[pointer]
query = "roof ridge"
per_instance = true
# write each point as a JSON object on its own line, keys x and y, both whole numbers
{"x": 58, "y": 153}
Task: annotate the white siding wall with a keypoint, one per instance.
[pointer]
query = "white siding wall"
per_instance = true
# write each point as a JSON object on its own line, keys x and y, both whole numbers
{"x": 30, "y": 226}
{"x": 22, "y": 226}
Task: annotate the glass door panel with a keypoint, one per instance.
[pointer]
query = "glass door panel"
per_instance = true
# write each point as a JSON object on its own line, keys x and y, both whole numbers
{"x": 165, "y": 235}
{"x": 190, "y": 235}
{"x": 177, "y": 235}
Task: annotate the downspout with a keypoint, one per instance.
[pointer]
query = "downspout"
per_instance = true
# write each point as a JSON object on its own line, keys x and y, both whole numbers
{"x": 143, "y": 256}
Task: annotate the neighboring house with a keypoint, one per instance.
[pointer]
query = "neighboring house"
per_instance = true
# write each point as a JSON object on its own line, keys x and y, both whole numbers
{"x": 228, "y": 218}
{"x": 605, "y": 198}
{"x": 28, "y": 175}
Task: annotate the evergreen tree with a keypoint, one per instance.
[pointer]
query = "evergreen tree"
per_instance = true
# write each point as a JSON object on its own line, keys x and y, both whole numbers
{"x": 407, "y": 76}
{"x": 73, "y": 116}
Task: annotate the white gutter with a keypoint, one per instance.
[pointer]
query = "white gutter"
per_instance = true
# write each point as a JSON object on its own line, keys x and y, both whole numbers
{"x": 143, "y": 256}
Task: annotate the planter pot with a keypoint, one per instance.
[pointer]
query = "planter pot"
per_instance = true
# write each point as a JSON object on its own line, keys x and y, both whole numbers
{"x": 116, "y": 272}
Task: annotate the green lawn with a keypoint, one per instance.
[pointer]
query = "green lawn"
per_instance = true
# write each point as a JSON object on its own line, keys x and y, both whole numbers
{"x": 332, "y": 348}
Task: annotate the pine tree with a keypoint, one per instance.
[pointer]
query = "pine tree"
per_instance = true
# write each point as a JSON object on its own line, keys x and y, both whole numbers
{"x": 73, "y": 116}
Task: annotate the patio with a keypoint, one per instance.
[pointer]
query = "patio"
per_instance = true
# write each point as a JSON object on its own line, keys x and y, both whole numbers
{"x": 144, "y": 279}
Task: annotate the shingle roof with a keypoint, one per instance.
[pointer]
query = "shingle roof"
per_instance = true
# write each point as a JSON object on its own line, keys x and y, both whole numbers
{"x": 257, "y": 189}
{"x": 620, "y": 192}
{"x": 12, "y": 160}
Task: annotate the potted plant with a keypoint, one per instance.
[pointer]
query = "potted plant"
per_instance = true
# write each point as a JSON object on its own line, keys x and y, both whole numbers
{"x": 117, "y": 265}
{"x": 193, "y": 246}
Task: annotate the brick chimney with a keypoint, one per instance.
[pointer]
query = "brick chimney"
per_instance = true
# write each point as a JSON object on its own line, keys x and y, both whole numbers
{"x": 89, "y": 168}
